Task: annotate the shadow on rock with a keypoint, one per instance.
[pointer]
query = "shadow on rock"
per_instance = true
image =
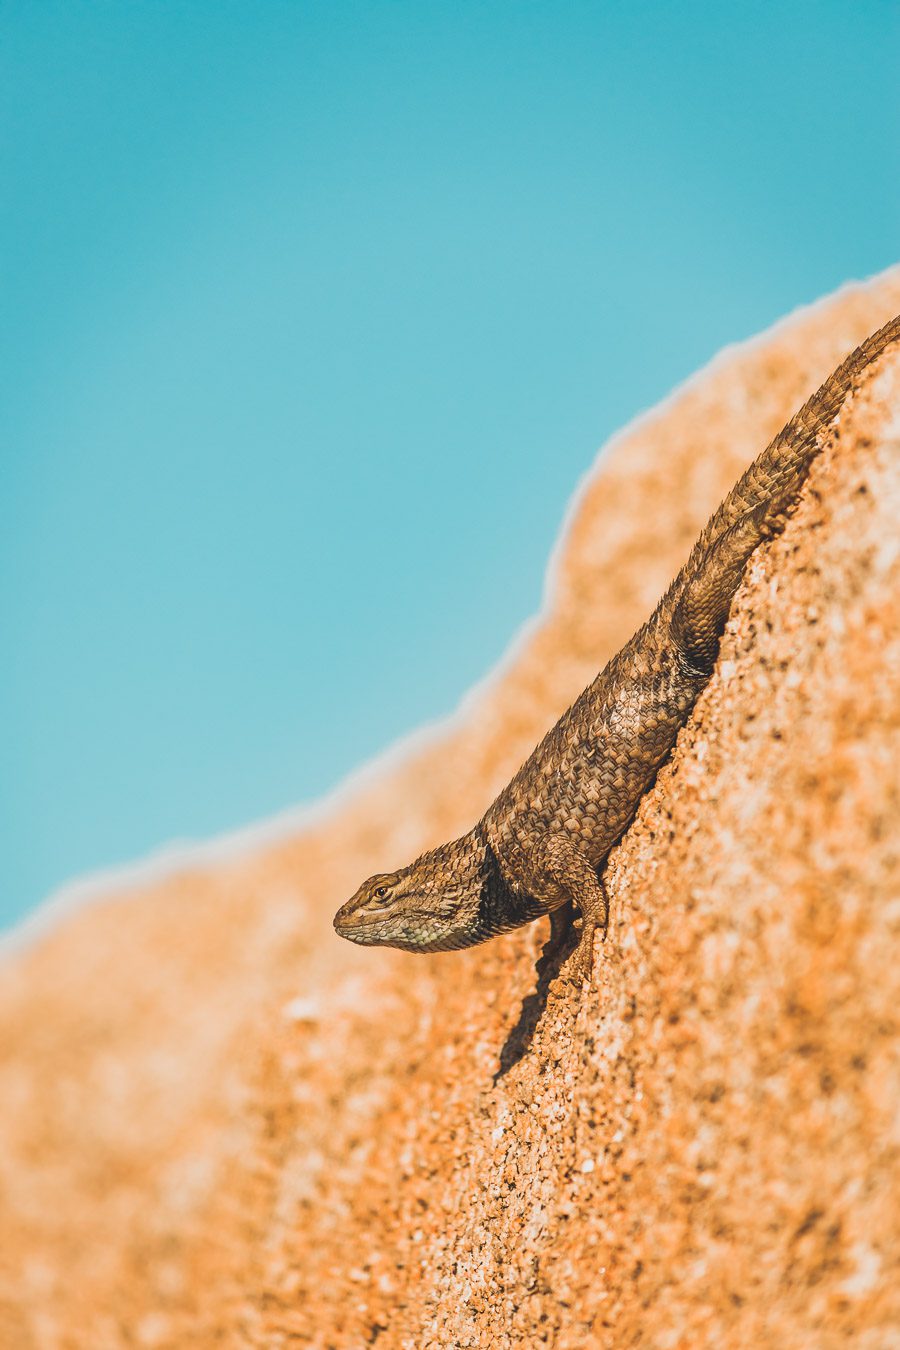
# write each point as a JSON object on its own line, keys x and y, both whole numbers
{"x": 562, "y": 941}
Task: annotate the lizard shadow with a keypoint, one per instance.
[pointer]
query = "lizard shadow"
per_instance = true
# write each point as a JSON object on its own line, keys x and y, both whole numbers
{"x": 561, "y": 942}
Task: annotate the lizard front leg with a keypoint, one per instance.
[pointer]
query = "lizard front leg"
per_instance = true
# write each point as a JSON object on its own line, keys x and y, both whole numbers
{"x": 574, "y": 878}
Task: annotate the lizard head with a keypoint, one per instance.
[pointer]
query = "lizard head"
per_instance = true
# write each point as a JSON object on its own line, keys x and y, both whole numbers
{"x": 430, "y": 905}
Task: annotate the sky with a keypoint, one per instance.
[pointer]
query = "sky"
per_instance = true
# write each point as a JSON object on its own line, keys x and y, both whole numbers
{"x": 312, "y": 316}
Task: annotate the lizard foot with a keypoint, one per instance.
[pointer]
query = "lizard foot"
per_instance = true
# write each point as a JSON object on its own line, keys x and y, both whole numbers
{"x": 577, "y": 878}
{"x": 580, "y": 966}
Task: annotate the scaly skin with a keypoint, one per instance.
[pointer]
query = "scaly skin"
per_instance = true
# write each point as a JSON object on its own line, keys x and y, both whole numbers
{"x": 541, "y": 846}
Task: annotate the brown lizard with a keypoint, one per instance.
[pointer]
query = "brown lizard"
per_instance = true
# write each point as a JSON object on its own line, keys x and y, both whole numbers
{"x": 542, "y": 844}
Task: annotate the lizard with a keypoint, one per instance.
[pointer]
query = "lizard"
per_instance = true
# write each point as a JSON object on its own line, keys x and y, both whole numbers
{"x": 542, "y": 845}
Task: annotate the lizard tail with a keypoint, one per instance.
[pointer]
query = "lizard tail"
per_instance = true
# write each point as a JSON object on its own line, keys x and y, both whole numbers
{"x": 755, "y": 509}
{"x": 777, "y": 475}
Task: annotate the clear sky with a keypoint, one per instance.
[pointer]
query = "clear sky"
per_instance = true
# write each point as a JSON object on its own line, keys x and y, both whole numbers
{"x": 312, "y": 316}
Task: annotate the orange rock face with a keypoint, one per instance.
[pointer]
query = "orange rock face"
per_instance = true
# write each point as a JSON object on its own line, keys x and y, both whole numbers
{"x": 223, "y": 1126}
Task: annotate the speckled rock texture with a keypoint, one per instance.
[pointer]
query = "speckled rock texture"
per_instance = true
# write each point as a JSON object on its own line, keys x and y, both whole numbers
{"x": 223, "y": 1127}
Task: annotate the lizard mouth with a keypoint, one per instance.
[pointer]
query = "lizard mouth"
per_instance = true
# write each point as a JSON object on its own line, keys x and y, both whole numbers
{"x": 365, "y": 929}
{"x": 364, "y": 935}
{"x": 414, "y": 933}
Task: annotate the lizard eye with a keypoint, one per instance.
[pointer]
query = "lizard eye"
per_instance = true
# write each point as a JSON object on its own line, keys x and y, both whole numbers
{"x": 380, "y": 892}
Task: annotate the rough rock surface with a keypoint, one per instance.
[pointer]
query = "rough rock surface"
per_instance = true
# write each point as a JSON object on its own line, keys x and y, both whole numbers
{"x": 222, "y": 1126}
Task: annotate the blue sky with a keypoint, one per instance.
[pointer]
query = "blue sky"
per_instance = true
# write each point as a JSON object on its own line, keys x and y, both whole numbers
{"x": 312, "y": 315}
